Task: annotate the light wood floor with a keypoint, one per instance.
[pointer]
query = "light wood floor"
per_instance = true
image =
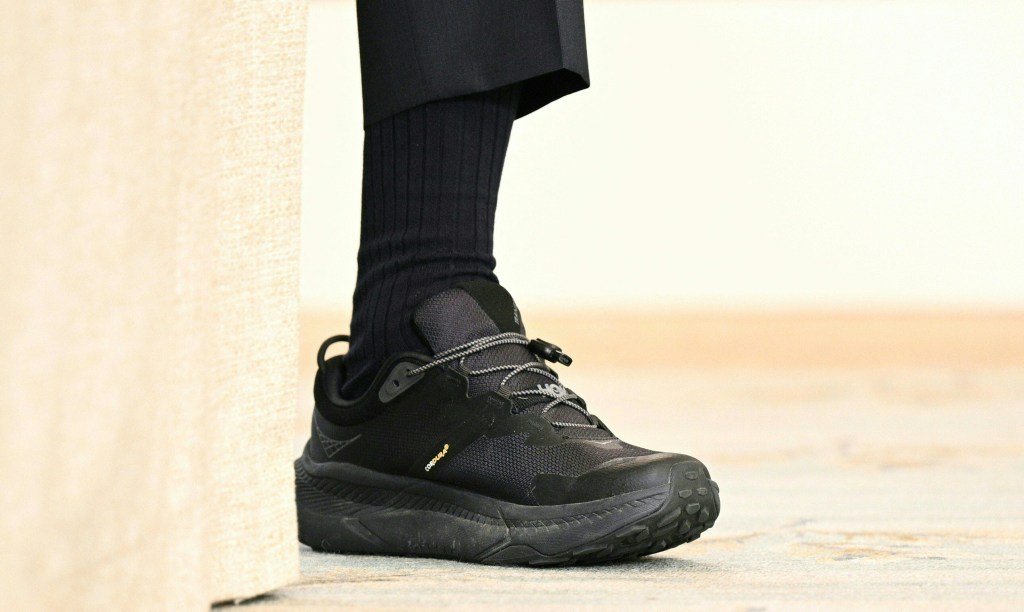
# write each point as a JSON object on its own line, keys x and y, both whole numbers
{"x": 871, "y": 460}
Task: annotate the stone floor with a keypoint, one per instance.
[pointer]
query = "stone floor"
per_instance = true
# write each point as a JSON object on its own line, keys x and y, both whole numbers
{"x": 864, "y": 488}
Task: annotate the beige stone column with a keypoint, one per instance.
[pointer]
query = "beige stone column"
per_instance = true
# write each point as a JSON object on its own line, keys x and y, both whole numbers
{"x": 149, "y": 204}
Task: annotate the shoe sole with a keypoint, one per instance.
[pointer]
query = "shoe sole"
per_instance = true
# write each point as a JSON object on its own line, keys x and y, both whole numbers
{"x": 346, "y": 509}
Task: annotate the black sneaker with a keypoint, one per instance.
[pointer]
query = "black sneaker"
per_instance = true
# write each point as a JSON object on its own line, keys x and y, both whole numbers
{"x": 479, "y": 453}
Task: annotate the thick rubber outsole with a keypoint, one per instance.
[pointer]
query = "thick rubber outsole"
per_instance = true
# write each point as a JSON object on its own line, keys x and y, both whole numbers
{"x": 346, "y": 509}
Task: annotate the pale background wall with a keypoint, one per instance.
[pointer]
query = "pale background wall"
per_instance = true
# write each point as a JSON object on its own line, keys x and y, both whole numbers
{"x": 763, "y": 153}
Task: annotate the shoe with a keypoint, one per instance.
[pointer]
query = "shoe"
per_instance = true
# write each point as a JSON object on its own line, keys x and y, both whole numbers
{"x": 479, "y": 453}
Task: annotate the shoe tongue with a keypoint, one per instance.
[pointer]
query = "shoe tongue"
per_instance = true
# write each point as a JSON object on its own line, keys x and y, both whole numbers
{"x": 471, "y": 310}
{"x": 476, "y": 309}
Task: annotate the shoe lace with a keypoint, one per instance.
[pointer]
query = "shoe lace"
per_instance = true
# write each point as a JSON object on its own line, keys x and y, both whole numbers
{"x": 557, "y": 392}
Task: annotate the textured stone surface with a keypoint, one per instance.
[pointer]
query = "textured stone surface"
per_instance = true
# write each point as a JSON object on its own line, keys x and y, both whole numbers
{"x": 840, "y": 488}
{"x": 150, "y": 159}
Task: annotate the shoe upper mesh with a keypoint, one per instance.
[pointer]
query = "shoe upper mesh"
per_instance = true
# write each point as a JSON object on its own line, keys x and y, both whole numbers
{"x": 506, "y": 466}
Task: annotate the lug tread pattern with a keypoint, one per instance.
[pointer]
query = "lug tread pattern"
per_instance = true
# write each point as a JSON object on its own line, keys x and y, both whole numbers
{"x": 667, "y": 528}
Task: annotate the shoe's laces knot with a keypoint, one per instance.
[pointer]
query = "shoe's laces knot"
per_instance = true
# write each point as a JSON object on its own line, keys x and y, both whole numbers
{"x": 558, "y": 392}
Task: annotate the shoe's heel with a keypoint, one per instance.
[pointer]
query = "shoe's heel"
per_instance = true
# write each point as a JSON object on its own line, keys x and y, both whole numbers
{"x": 350, "y": 517}
{"x": 326, "y": 522}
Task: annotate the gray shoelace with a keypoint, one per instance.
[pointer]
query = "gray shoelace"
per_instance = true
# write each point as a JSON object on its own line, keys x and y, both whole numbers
{"x": 558, "y": 392}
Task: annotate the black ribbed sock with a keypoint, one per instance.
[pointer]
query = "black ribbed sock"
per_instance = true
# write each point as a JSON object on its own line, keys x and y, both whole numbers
{"x": 430, "y": 187}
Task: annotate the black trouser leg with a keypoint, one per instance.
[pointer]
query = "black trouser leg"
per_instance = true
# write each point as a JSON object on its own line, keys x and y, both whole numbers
{"x": 417, "y": 51}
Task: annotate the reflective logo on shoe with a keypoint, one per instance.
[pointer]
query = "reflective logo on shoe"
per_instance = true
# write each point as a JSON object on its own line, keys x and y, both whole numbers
{"x": 333, "y": 447}
{"x": 437, "y": 457}
{"x": 553, "y": 390}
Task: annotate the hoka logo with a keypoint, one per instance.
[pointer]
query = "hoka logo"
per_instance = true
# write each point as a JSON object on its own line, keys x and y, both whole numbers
{"x": 437, "y": 457}
{"x": 553, "y": 389}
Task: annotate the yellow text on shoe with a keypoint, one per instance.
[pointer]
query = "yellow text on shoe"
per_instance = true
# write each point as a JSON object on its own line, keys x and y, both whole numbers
{"x": 437, "y": 457}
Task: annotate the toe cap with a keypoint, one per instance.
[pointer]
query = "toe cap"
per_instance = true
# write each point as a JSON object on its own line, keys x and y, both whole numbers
{"x": 615, "y": 477}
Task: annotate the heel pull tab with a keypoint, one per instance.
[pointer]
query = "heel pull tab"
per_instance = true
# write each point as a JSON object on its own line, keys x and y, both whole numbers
{"x": 321, "y": 355}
